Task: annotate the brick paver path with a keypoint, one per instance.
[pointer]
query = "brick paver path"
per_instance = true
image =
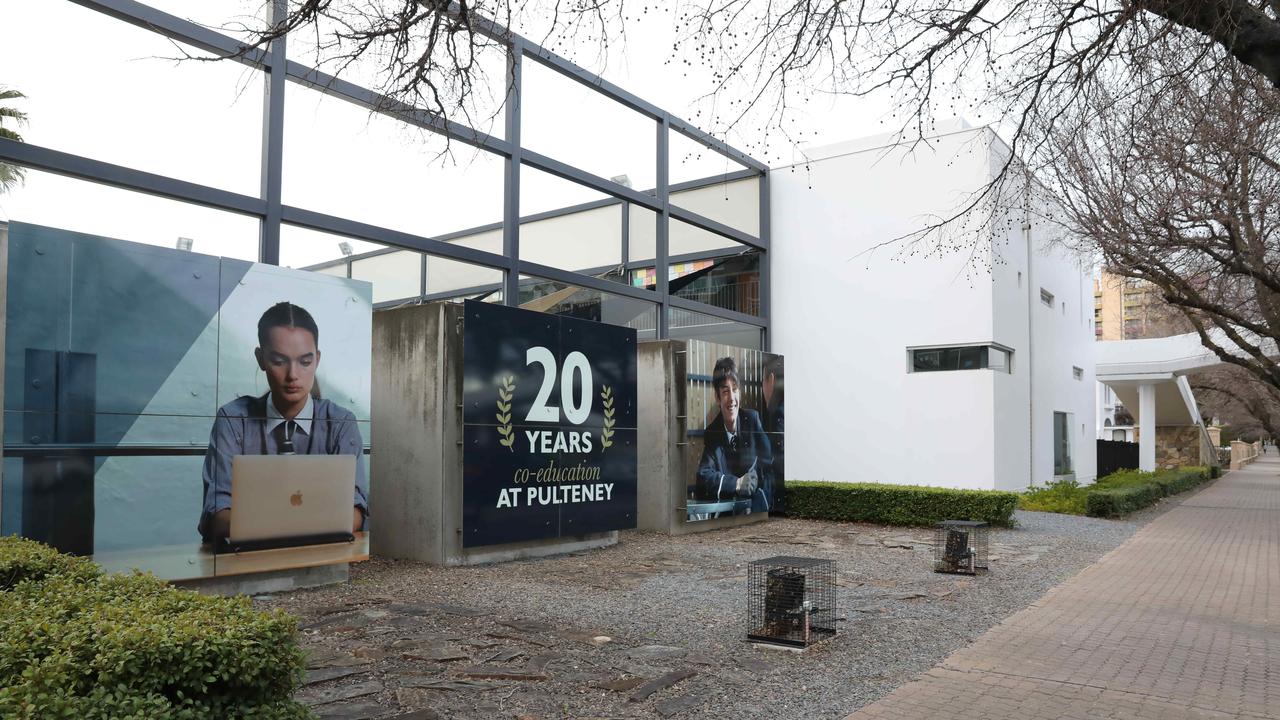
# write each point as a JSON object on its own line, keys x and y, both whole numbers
{"x": 1181, "y": 621}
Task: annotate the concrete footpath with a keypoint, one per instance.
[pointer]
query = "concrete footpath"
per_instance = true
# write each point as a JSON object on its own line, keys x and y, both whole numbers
{"x": 1182, "y": 621}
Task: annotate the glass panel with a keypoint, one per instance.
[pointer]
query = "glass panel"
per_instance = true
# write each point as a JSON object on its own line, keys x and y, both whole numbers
{"x": 687, "y": 239}
{"x": 731, "y": 283}
{"x": 934, "y": 359}
{"x": 687, "y": 324}
{"x": 568, "y": 226}
{"x": 343, "y": 160}
{"x": 454, "y": 277}
{"x": 998, "y": 359}
{"x": 642, "y": 243}
{"x": 565, "y": 120}
{"x": 57, "y": 201}
{"x": 735, "y": 203}
{"x": 318, "y": 251}
{"x": 111, "y": 91}
{"x": 971, "y": 358}
{"x": 1061, "y": 444}
{"x": 486, "y": 58}
{"x": 395, "y": 274}
{"x": 558, "y": 298}
{"x": 691, "y": 160}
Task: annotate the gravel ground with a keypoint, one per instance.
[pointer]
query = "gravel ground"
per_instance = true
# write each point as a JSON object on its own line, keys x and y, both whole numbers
{"x": 546, "y": 638}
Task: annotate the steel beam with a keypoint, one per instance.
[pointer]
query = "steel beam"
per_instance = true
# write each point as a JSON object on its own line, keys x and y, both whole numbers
{"x": 273, "y": 142}
{"x": 83, "y": 168}
{"x": 766, "y": 265}
{"x": 511, "y": 177}
{"x": 373, "y": 233}
{"x": 661, "y": 271}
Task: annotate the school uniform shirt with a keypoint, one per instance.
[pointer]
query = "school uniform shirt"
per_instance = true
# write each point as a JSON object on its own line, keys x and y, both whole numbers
{"x": 252, "y": 426}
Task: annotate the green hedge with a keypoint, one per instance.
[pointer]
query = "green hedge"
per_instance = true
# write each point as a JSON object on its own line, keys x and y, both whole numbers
{"x": 22, "y": 560}
{"x": 1127, "y": 491}
{"x": 1117, "y": 501}
{"x": 897, "y": 504}
{"x": 88, "y": 646}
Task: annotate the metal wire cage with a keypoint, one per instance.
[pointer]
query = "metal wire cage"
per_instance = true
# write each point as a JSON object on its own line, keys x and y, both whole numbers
{"x": 791, "y": 600}
{"x": 960, "y": 546}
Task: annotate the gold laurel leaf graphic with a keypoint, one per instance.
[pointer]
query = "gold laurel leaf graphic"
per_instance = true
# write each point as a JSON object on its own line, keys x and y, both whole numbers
{"x": 606, "y": 435}
{"x": 506, "y": 391}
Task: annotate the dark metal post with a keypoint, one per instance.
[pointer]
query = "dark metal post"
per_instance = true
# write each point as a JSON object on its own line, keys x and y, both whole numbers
{"x": 660, "y": 270}
{"x": 511, "y": 180}
{"x": 766, "y": 266}
{"x": 626, "y": 242}
{"x": 273, "y": 141}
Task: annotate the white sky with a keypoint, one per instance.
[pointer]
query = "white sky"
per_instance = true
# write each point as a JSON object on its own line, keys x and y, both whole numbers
{"x": 106, "y": 90}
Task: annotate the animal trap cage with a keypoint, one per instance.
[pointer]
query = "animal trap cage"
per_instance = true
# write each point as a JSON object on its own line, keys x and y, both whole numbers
{"x": 791, "y": 601}
{"x": 960, "y": 546}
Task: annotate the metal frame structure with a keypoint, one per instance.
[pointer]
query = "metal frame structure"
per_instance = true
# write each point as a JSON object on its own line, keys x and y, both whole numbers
{"x": 269, "y": 209}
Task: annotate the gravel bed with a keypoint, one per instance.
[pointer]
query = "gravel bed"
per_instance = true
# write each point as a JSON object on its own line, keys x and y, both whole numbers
{"x": 538, "y": 638}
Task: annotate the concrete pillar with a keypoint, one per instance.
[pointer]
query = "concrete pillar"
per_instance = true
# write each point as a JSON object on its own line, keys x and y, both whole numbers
{"x": 1147, "y": 427}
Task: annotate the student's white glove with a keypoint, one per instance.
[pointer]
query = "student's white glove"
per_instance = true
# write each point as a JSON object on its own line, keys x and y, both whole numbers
{"x": 748, "y": 483}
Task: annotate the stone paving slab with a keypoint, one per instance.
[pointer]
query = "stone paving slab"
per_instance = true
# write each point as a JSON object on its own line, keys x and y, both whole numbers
{"x": 1182, "y": 621}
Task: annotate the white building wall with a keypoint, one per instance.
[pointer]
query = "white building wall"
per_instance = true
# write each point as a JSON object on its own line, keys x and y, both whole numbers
{"x": 845, "y": 314}
{"x": 1012, "y": 293}
{"x": 1062, "y": 341}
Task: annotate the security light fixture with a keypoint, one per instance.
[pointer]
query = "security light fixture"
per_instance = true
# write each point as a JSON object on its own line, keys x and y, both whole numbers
{"x": 345, "y": 247}
{"x": 622, "y": 180}
{"x": 184, "y": 243}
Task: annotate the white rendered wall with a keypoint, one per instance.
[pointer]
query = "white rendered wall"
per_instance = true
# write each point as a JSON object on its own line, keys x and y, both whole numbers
{"x": 844, "y": 320}
{"x": 844, "y": 314}
{"x": 1062, "y": 340}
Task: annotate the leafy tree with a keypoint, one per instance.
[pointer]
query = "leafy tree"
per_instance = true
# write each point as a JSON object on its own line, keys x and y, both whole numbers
{"x": 1182, "y": 190}
{"x": 10, "y": 175}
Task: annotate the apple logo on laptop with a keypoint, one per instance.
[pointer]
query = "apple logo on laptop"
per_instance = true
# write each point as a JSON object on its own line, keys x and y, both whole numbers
{"x": 296, "y": 498}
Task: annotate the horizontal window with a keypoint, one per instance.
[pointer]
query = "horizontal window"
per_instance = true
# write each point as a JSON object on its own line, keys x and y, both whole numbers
{"x": 970, "y": 357}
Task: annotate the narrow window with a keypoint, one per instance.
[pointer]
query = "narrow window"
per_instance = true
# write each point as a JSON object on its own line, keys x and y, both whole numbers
{"x": 969, "y": 357}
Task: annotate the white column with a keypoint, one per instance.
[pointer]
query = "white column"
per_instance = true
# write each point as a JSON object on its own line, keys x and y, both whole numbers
{"x": 1147, "y": 427}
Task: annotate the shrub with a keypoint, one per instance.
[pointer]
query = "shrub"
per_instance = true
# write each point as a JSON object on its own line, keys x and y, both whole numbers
{"x": 120, "y": 646}
{"x": 1122, "y": 500}
{"x": 1059, "y": 496}
{"x": 897, "y": 504}
{"x": 1126, "y": 491}
{"x": 22, "y": 559}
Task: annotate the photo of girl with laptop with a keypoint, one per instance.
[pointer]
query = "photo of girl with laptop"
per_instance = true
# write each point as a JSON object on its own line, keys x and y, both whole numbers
{"x": 290, "y": 419}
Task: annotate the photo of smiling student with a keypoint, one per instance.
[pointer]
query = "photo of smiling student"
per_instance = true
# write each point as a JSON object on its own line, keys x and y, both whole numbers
{"x": 737, "y": 461}
{"x": 291, "y": 418}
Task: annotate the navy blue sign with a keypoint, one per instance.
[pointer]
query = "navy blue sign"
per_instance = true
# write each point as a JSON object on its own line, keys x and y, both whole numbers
{"x": 549, "y": 426}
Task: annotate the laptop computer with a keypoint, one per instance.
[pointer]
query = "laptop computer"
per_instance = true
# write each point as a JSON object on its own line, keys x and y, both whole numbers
{"x": 290, "y": 500}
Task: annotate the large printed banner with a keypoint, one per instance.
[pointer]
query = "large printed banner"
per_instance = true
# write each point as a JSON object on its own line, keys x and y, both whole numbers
{"x": 158, "y": 367}
{"x": 735, "y": 431}
{"x": 549, "y": 426}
